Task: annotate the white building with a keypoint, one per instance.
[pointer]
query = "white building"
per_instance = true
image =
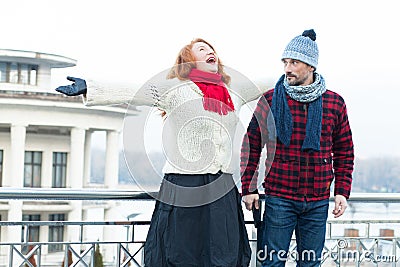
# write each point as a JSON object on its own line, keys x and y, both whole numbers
{"x": 45, "y": 141}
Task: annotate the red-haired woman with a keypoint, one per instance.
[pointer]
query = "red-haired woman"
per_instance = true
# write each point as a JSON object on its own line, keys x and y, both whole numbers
{"x": 198, "y": 218}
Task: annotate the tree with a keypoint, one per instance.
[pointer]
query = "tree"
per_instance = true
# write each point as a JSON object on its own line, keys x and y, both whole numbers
{"x": 69, "y": 259}
{"x": 31, "y": 258}
{"x": 98, "y": 258}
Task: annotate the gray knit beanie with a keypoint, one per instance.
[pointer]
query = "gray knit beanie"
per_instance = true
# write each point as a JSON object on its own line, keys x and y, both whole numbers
{"x": 303, "y": 48}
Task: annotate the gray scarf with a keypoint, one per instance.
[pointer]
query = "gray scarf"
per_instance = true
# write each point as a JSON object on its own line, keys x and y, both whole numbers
{"x": 306, "y": 93}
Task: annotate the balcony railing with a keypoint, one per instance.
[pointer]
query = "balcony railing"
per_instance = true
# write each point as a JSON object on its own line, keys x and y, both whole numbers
{"x": 349, "y": 242}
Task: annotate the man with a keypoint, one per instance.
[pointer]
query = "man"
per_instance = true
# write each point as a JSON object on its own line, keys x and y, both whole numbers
{"x": 313, "y": 146}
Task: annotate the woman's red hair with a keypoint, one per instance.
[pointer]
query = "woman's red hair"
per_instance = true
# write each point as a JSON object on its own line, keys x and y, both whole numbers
{"x": 185, "y": 62}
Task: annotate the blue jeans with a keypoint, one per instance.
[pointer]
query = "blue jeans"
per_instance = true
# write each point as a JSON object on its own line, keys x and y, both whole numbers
{"x": 281, "y": 218}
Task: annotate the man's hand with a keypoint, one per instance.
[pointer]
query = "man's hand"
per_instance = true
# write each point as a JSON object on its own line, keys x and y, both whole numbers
{"x": 340, "y": 205}
{"x": 77, "y": 88}
{"x": 250, "y": 200}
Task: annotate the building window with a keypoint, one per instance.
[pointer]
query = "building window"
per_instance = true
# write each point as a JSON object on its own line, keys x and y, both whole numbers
{"x": 33, "y": 231}
{"x": 56, "y": 232}
{"x": 33, "y": 169}
{"x": 59, "y": 169}
{"x": 11, "y": 72}
{"x": 1, "y": 167}
{"x": 23, "y": 74}
{"x": 3, "y": 72}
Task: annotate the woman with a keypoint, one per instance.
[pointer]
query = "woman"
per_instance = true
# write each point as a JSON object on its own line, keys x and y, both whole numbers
{"x": 198, "y": 219}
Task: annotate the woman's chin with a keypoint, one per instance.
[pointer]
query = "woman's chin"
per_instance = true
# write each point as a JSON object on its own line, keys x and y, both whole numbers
{"x": 212, "y": 68}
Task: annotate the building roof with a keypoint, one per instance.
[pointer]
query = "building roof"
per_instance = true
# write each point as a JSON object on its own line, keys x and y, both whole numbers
{"x": 54, "y": 61}
{"x": 39, "y": 96}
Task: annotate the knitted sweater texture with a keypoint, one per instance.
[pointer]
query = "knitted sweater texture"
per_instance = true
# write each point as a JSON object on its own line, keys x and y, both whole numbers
{"x": 195, "y": 141}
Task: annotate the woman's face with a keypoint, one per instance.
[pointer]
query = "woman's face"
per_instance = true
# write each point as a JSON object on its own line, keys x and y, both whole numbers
{"x": 206, "y": 59}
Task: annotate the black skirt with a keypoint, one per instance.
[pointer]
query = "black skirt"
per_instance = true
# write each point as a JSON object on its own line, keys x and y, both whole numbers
{"x": 207, "y": 235}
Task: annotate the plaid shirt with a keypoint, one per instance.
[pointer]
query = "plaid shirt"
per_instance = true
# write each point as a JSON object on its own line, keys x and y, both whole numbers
{"x": 290, "y": 172}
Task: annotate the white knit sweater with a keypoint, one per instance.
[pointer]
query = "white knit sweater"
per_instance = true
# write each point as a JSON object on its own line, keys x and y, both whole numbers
{"x": 199, "y": 141}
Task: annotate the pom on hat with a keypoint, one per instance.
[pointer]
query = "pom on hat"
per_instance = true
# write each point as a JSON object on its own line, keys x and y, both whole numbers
{"x": 303, "y": 48}
{"x": 310, "y": 34}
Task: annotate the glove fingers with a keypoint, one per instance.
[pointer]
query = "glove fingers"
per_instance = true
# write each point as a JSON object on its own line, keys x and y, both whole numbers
{"x": 67, "y": 90}
{"x": 70, "y": 78}
{"x": 77, "y": 88}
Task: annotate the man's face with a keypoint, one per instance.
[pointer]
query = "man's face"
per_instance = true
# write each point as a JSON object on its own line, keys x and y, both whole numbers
{"x": 298, "y": 72}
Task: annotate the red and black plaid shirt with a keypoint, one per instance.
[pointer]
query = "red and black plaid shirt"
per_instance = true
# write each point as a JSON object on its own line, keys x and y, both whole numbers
{"x": 292, "y": 173}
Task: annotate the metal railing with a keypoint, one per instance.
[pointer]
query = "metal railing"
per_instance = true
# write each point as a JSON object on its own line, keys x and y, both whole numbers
{"x": 365, "y": 249}
{"x": 82, "y": 250}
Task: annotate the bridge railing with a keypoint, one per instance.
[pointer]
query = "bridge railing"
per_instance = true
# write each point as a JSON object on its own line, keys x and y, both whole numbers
{"x": 357, "y": 243}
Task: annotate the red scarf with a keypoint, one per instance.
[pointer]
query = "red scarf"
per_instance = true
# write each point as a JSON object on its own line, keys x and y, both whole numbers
{"x": 216, "y": 96}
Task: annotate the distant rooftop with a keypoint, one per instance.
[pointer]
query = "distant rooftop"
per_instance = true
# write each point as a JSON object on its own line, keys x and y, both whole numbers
{"x": 55, "y": 61}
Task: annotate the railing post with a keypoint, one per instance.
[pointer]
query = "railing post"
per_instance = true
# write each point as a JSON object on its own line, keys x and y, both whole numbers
{"x": 394, "y": 249}
{"x": 133, "y": 233}
{"x": 22, "y": 233}
{"x": 118, "y": 262}
{"x": 66, "y": 255}
{"x": 92, "y": 257}
{"x": 10, "y": 255}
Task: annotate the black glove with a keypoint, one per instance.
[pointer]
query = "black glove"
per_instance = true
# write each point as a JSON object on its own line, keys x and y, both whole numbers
{"x": 77, "y": 88}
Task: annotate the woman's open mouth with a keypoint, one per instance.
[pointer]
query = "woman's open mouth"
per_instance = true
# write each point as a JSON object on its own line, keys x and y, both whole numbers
{"x": 211, "y": 60}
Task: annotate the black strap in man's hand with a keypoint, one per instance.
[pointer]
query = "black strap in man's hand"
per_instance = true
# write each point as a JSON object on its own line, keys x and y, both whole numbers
{"x": 259, "y": 225}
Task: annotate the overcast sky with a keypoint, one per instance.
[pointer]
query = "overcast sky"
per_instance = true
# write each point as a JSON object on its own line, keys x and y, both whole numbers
{"x": 130, "y": 41}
